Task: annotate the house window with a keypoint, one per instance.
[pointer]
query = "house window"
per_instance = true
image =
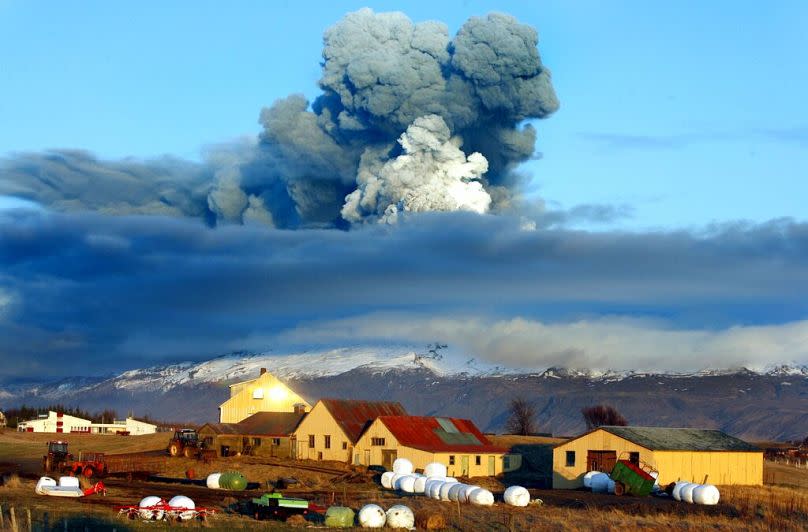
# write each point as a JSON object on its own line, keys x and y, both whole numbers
{"x": 256, "y": 442}
{"x": 506, "y": 462}
{"x": 377, "y": 441}
{"x": 311, "y": 441}
{"x": 451, "y": 459}
{"x": 276, "y": 441}
{"x": 634, "y": 458}
{"x": 344, "y": 445}
{"x": 478, "y": 460}
{"x": 327, "y": 441}
{"x": 570, "y": 459}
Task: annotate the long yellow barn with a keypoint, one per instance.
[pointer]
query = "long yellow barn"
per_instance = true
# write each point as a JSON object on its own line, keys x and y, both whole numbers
{"x": 695, "y": 455}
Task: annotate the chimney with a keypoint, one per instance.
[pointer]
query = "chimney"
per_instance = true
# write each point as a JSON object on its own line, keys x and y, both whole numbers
{"x": 300, "y": 408}
{"x": 263, "y": 370}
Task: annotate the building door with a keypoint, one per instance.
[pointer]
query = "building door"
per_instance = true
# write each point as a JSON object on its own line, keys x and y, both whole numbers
{"x": 388, "y": 457}
{"x": 492, "y": 466}
{"x": 367, "y": 457}
{"x": 601, "y": 461}
{"x": 464, "y": 466}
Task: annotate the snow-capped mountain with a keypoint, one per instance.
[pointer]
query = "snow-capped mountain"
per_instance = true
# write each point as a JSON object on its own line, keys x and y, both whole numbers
{"x": 769, "y": 403}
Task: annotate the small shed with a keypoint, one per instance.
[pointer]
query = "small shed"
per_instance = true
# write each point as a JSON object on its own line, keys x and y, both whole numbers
{"x": 456, "y": 443}
{"x": 262, "y": 434}
{"x": 331, "y": 429}
{"x": 677, "y": 453}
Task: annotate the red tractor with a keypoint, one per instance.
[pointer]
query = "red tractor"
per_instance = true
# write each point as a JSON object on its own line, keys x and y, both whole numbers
{"x": 57, "y": 457}
{"x": 59, "y": 460}
{"x": 186, "y": 443}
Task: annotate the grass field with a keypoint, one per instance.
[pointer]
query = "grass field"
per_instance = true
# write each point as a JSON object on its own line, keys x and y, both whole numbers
{"x": 783, "y": 505}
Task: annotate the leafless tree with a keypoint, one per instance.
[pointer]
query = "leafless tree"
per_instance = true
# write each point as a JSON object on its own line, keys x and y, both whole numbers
{"x": 599, "y": 415}
{"x": 522, "y": 419}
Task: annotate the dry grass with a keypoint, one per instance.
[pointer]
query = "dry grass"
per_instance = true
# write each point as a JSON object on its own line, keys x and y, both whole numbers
{"x": 9, "y": 481}
{"x": 509, "y": 440}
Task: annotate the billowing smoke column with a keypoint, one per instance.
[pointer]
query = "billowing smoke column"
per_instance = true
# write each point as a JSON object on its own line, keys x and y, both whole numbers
{"x": 409, "y": 120}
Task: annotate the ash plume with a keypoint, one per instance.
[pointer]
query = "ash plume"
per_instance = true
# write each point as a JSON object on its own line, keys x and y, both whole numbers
{"x": 409, "y": 119}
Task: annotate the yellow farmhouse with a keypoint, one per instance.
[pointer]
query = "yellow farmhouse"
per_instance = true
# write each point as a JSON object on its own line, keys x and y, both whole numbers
{"x": 456, "y": 443}
{"x": 678, "y": 454}
{"x": 264, "y": 394}
{"x": 331, "y": 429}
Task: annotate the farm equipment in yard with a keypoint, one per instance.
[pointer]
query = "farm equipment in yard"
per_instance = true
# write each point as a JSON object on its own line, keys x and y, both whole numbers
{"x": 633, "y": 478}
{"x": 186, "y": 442}
{"x": 276, "y": 506}
{"x": 57, "y": 457}
{"x": 162, "y": 510}
{"x": 59, "y": 460}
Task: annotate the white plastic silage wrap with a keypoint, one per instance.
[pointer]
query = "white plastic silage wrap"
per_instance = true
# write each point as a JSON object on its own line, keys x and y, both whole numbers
{"x": 212, "y": 482}
{"x": 43, "y": 483}
{"x": 454, "y": 491}
{"x": 372, "y": 516}
{"x": 481, "y": 497}
{"x": 677, "y": 490}
{"x": 387, "y": 480}
{"x": 147, "y": 502}
{"x": 706, "y": 494}
{"x": 406, "y": 484}
{"x": 600, "y": 482}
{"x": 588, "y": 478}
{"x": 687, "y": 492}
{"x": 517, "y": 496}
{"x": 402, "y": 466}
{"x": 399, "y": 516}
{"x": 463, "y": 496}
{"x": 435, "y": 469}
{"x": 444, "y": 490}
{"x": 181, "y": 501}
{"x": 610, "y": 486}
{"x": 419, "y": 485}
{"x": 434, "y": 489}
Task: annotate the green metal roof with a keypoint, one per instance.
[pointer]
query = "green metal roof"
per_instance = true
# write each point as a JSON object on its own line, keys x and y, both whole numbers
{"x": 668, "y": 439}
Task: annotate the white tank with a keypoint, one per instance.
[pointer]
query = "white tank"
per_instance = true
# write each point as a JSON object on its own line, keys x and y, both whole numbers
{"x": 69, "y": 482}
{"x": 454, "y": 491}
{"x": 407, "y": 484}
{"x": 435, "y": 469}
{"x": 588, "y": 478}
{"x": 517, "y": 496}
{"x": 150, "y": 515}
{"x": 402, "y": 466}
{"x": 212, "y": 482}
{"x": 444, "y": 490}
{"x": 481, "y": 497}
{"x": 419, "y": 485}
{"x": 387, "y": 480}
{"x": 44, "y": 482}
{"x": 372, "y": 516}
{"x": 465, "y": 491}
{"x": 687, "y": 492}
{"x": 706, "y": 494}
{"x": 400, "y": 516}
{"x": 181, "y": 501}
{"x": 600, "y": 482}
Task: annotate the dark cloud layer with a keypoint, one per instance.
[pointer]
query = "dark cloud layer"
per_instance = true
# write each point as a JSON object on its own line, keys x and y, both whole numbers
{"x": 119, "y": 291}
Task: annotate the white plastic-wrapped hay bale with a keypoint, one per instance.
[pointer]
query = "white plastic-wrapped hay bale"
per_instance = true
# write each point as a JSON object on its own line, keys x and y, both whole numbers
{"x": 451, "y": 479}
{"x": 444, "y": 490}
{"x": 517, "y": 496}
{"x": 69, "y": 482}
{"x": 610, "y": 486}
{"x": 434, "y": 489}
{"x": 212, "y": 482}
{"x": 372, "y": 516}
{"x": 454, "y": 491}
{"x": 463, "y": 496}
{"x": 687, "y": 492}
{"x": 481, "y": 497}
{"x": 406, "y": 484}
{"x": 419, "y": 485}
{"x": 402, "y": 466}
{"x": 44, "y": 482}
{"x": 600, "y": 483}
{"x": 430, "y": 482}
{"x": 588, "y": 478}
{"x": 435, "y": 469}
{"x": 387, "y": 480}
{"x": 400, "y": 516}
{"x": 146, "y": 513}
{"x": 184, "y": 503}
{"x": 706, "y": 494}
{"x": 677, "y": 490}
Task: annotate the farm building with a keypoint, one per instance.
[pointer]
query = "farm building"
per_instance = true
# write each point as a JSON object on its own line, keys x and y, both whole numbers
{"x": 263, "y": 434}
{"x": 263, "y": 394}
{"x": 55, "y": 422}
{"x": 678, "y": 454}
{"x": 333, "y": 426}
{"x": 129, "y": 426}
{"x": 456, "y": 443}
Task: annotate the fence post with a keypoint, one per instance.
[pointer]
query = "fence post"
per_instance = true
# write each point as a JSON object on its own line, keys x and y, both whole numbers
{"x": 30, "y": 523}
{"x": 2, "y": 519}
{"x": 13, "y": 519}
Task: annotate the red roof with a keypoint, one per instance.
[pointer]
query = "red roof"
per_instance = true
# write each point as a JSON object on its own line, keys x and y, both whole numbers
{"x": 438, "y": 435}
{"x": 354, "y": 416}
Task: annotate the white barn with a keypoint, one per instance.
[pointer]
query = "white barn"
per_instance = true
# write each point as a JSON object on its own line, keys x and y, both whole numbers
{"x": 58, "y": 422}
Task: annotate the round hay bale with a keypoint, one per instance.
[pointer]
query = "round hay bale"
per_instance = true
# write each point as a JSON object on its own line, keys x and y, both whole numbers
{"x": 435, "y": 469}
{"x": 454, "y": 491}
{"x": 400, "y": 516}
{"x": 588, "y": 478}
{"x": 687, "y": 492}
{"x": 406, "y": 484}
{"x": 387, "y": 480}
{"x": 517, "y": 496}
{"x": 402, "y": 466}
{"x": 481, "y": 497}
{"x": 419, "y": 485}
{"x": 444, "y": 490}
{"x": 372, "y": 516}
{"x": 706, "y": 494}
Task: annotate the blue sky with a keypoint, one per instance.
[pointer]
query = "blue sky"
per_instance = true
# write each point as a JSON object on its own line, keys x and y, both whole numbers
{"x": 664, "y": 228}
{"x": 688, "y": 113}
